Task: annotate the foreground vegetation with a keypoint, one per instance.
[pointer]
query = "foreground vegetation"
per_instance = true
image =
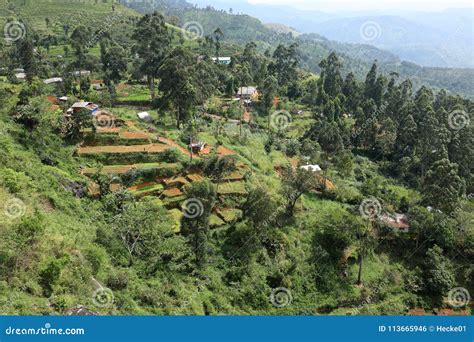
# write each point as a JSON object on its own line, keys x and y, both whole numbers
{"x": 99, "y": 229}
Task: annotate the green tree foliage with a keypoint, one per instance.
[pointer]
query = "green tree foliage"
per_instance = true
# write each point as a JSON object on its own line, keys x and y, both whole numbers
{"x": 217, "y": 168}
{"x": 296, "y": 183}
{"x": 438, "y": 272}
{"x": 443, "y": 186}
{"x": 142, "y": 228}
{"x": 185, "y": 82}
{"x": 152, "y": 42}
{"x": 73, "y": 126}
{"x": 331, "y": 75}
{"x": 285, "y": 63}
{"x": 201, "y": 200}
{"x": 114, "y": 62}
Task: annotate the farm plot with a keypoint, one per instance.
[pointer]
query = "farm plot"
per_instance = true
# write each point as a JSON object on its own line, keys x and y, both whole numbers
{"x": 146, "y": 190}
{"x": 233, "y": 188}
{"x": 150, "y": 148}
{"x": 229, "y": 215}
{"x": 122, "y": 169}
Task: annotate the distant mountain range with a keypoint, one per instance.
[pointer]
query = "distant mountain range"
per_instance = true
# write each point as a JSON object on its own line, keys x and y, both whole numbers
{"x": 239, "y": 29}
{"x": 436, "y": 39}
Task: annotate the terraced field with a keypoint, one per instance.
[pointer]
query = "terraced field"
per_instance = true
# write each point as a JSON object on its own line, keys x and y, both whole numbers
{"x": 150, "y": 148}
{"x": 122, "y": 169}
{"x": 232, "y": 188}
{"x": 115, "y": 148}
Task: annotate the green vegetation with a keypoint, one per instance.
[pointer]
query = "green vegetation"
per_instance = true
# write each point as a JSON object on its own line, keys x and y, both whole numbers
{"x": 214, "y": 232}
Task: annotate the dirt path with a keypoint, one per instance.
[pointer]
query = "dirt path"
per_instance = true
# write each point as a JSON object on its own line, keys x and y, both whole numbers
{"x": 247, "y": 117}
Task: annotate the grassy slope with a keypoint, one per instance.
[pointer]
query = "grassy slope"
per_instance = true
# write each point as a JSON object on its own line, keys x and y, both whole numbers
{"x": 71, "y": 227}
{"x": 63, "y": 12}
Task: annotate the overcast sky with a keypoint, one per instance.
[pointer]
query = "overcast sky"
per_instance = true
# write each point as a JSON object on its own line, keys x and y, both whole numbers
{"x": 352, "y": 5}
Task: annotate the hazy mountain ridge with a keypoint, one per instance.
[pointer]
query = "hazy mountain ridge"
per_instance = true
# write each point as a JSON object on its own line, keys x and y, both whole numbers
{"x": 445, "y": 36}
{"x": 241, "y": 28}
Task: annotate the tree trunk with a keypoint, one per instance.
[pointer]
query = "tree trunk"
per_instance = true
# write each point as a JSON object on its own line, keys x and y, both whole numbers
{"x": 269, "y": 120}
{"x": 151, "y": 85}
{"x": 178, "y": 117}
{"x": 242, "y": 109}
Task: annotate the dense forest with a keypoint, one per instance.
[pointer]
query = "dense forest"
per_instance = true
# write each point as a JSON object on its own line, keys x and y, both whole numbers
{"x": 324, "y": 191}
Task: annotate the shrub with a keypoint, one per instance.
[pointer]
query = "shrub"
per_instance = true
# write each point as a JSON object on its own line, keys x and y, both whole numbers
{"x": 13, "y": 181}
{"x": 96, "y": 257}
{"x": 117, "y": 281}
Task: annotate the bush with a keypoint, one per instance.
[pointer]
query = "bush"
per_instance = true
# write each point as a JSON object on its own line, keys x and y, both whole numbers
{"x": 292, "y": 147}
{"x": 96, "y": 257}
{"x": 50, "y": 275}
{"x": 171, "y": 156}
{"x": 13, "y": 181}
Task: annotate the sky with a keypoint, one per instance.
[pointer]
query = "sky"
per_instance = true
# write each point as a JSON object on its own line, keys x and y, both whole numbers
{"x": 354, "y": 5}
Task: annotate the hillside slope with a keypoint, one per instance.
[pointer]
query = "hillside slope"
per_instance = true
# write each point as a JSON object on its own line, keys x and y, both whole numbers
{"x": 358, "y": 58}
{"x": 50, "y": 16}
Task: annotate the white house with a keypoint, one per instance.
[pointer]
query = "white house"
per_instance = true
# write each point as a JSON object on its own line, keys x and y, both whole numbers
{"x": 53, "y": 80}
{"x": 81, "y": 73}
{"x": 197, "y": 146}
{"x": 312, "y": 168}
{"x": 21, "y": 76}
{"x": 399, "y": 222}
{"x": 144, "y": 116}
{"x": 247, "y": 93}
{"x": 76, "y": 107}
{"x": 222, "y": 60}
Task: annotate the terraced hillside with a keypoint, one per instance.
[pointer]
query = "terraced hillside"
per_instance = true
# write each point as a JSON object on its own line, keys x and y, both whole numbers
{"x": 157, "y": 169}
